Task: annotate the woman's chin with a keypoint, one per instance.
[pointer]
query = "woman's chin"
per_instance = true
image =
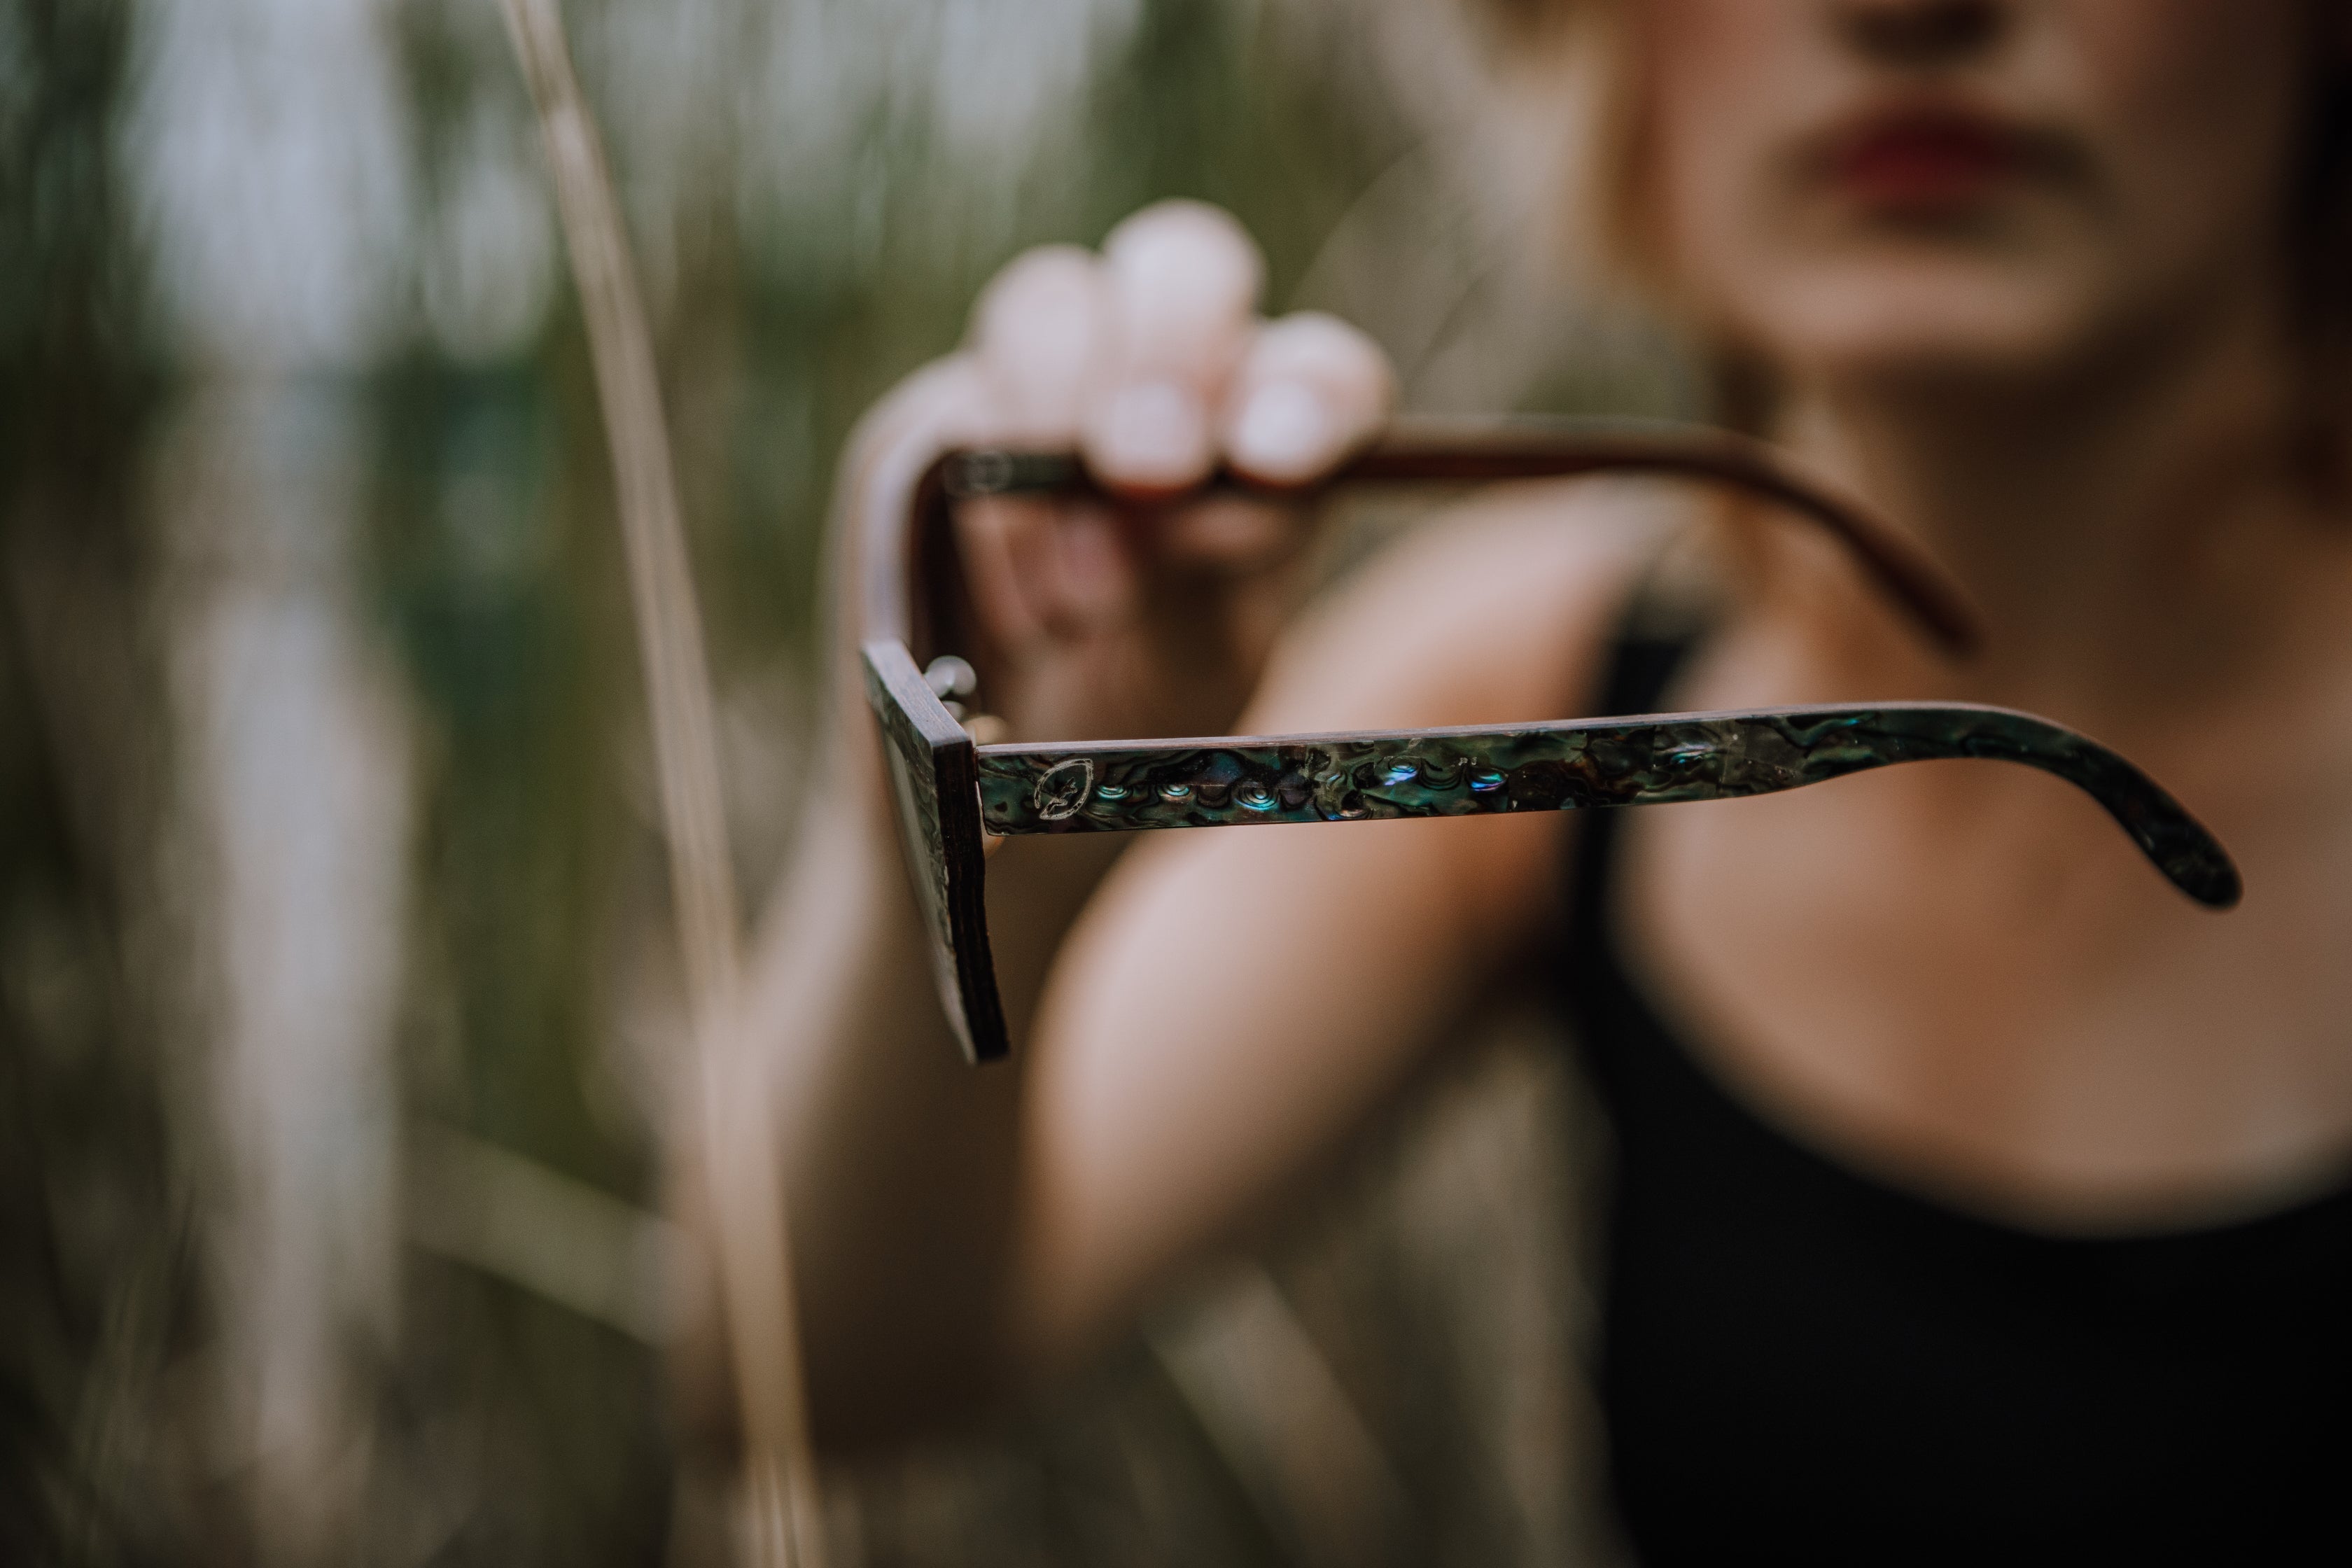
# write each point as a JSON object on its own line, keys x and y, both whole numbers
{"x": 1864, "y": 336}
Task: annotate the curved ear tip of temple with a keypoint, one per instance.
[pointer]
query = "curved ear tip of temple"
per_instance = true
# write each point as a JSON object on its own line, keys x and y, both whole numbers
{"x": 2210, "y": 879}
{"x": 1950, "y": 619}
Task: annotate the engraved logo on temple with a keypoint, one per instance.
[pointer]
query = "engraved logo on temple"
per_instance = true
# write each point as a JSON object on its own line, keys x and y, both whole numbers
{"x": 1065, "y": 788}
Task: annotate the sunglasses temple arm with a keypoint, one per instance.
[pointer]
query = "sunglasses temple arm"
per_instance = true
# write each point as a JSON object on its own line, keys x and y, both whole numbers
{"x": 2174, "y": 842}
{"x": 1425, "y": 451}
{"x": 1649, "y": 760}
{"x": 935, "y": 789}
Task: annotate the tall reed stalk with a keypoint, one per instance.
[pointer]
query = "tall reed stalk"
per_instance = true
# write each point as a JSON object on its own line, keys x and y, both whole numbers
{"x": 738, "y": 1133}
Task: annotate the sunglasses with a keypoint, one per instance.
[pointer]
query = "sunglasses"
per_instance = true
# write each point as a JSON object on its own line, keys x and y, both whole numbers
{"x": 952, "y": 791}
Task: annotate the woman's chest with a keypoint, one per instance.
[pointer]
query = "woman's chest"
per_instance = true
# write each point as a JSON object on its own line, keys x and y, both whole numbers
{"x": 1966, "y": 976}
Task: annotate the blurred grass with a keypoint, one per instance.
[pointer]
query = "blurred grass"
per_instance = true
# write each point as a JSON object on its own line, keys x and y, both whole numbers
{"x": 96, "y": 1286}
{"x": 799, "y": 272}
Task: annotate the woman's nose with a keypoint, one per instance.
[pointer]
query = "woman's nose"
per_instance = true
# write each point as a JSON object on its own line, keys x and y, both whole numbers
{"x": 1920, "y": 32}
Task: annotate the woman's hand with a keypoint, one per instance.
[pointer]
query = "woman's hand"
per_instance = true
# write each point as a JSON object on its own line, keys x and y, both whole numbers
{"x": 1151, "y": 614}
{"x": 955, "y": 1232}
{"x": 1148, "y": 614}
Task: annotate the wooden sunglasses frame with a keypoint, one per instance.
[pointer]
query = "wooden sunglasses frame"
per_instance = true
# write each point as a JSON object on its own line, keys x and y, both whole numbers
{"x": 950, "y": 791}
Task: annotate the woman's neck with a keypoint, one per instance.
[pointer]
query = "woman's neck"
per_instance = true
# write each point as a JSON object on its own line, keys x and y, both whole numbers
{"x": 2128, "y": 528}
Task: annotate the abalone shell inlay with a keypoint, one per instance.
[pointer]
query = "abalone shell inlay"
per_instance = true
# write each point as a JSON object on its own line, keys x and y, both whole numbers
{"x": 1113, "y": 786}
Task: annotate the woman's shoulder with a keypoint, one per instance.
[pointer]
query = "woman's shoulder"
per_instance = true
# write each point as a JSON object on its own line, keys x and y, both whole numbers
{"x": 1502, "y": 608}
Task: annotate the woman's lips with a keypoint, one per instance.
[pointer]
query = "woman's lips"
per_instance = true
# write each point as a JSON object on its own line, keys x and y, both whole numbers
{"x": 1925, "y": 161}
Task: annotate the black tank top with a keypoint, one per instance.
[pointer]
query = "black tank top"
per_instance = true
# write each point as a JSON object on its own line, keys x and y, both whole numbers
{"x": 1801, "y": 1362}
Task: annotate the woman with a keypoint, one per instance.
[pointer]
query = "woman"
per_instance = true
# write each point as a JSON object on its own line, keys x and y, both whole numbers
{"x": 1975, "y": 1193}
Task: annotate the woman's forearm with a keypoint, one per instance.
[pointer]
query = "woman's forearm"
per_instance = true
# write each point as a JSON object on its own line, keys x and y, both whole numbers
{"x": 898, "y": 1160}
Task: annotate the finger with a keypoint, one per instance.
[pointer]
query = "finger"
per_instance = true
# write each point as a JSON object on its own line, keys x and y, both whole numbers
{"x": 1062, "y": 573}
{"x": 1037, "y": 334}
{"x": 999, "y": 539}
{"x": 1181, "y": 279}
{"x": 1094, "y": 582}
{"x": 1309, "y": 391}
{"x": 1231, "y": 535}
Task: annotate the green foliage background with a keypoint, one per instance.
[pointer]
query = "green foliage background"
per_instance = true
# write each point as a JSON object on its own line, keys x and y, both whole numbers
{"x": 796, "y": 282}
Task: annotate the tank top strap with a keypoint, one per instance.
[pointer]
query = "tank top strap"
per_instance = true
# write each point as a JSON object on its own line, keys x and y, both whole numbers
{"x": 1645, "y": 653}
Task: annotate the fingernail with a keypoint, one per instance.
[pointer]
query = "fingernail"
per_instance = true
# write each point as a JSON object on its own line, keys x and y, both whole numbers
{"x": 1284, "y": 433}
{"x": 1154, "y": 432}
